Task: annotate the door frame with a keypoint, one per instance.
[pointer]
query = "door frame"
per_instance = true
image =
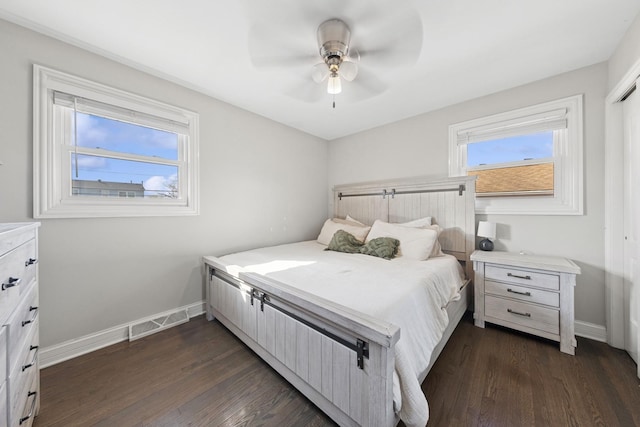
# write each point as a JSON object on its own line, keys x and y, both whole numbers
{"x": 613, "y": 214}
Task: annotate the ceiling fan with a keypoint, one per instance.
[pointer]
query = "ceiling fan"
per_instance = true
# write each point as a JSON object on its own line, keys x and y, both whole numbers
{"x": 387, "y": 34}
{"x": 339, "y": 61}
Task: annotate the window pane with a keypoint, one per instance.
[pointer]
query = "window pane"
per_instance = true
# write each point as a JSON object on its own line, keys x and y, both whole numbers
{"x": 100, "y": 132}
{"x": 103, "y": 176}
{"x": 527, "y": 180}
{"x": 512, "y": 149}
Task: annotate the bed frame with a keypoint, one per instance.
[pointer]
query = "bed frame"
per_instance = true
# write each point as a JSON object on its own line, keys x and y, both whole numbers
{"x": 340, "y": 359}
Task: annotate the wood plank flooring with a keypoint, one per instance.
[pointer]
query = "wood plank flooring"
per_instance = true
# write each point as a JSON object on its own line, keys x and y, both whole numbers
{"x": 199, "y": 374}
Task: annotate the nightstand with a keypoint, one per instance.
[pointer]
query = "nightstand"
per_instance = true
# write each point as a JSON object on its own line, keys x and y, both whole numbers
{"x": 529, "y": 293}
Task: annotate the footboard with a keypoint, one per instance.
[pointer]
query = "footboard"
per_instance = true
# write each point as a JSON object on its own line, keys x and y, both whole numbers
{"x": 341, "y": 360}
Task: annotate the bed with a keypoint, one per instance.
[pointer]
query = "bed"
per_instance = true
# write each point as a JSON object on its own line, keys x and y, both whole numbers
{"x": 329, "y": 322}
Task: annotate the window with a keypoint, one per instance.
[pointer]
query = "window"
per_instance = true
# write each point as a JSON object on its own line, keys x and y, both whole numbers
{"x": 527, "y": 161}
{"x": 99, "y": 151}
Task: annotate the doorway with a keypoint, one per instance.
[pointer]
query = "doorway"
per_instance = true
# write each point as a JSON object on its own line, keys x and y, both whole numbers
{"x": 631, "y": 209}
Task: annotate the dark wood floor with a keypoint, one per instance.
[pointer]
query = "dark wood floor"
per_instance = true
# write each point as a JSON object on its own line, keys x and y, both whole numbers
{"x": 198, "y": 374}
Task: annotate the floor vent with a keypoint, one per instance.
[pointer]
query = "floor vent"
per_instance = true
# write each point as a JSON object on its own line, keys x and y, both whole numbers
{"x": 151, "y": 326}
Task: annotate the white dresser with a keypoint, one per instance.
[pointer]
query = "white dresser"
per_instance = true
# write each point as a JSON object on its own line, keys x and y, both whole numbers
{"x": 530, "y": 293}
{"x": 19, "y": 377}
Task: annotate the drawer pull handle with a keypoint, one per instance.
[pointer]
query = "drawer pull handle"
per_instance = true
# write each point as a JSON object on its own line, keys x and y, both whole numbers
{"x": 33, "y": 361}
{"x": 33, "y": 319}
{"x": 518, "y": 313}
{"x": 526, "y": 294}
{"x": 30, "y": 261}
{"x": 33, "y": 406}
{"x": 13, "y": 281}
{"x": 519, "y": 277}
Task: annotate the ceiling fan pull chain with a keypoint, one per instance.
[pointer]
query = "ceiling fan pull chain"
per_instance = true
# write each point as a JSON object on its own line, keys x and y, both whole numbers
{"x": 334, "y": 100}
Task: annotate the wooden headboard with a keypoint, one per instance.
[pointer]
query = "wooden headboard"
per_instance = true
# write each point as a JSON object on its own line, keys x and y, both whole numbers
{"x": 449, "y": 201}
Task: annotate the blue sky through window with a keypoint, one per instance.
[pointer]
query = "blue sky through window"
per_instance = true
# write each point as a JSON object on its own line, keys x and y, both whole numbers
{"x": 120, "y": 137}
{"x": 512, "y": 149}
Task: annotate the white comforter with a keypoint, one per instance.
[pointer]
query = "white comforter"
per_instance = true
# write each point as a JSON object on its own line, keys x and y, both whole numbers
{"x": 410, "y": 294}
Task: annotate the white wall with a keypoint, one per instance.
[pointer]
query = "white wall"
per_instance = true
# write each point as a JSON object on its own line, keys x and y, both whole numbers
{"x": 261, "y": 183}
{"x": 418, "y": 146}
{"x": 626, "y": 54}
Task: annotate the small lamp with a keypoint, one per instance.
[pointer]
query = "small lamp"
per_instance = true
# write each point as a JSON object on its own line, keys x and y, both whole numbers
{"x": 487, "y": 230}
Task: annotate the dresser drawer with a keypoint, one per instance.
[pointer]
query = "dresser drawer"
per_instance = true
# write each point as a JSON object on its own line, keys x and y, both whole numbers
{"x": 3, "y": 354}
{"x": 4, "y": 414}
{"x": 522, "y": 277}
{"x": 520, "y": 313}
{"x": 21, "y": 324}
{"x": 15, "y": 238}
{"x": 508, "y": 290}
{"x": 24, "y": 401}
{"x": 17, "y": 272}
{"x": 22, "y": 374}
{"x": 27, "y": 359}
{"x": 26, "y": 263}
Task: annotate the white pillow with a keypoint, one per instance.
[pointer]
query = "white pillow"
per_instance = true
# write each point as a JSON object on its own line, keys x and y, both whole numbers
{"x": 330, "y": 227}
{"x": 350, "y": 218}
{"x": 415, "y": 243}
{"x": 350, "y": 221}
{"x": 437, "y": 248}
{"x": 421, "y": 222}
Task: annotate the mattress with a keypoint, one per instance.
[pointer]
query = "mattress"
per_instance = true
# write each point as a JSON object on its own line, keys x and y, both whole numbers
{"x": 410, "y": 294}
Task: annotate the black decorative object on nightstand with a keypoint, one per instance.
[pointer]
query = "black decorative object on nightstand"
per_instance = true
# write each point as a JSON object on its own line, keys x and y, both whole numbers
{"x": 487, "y": 230}
{"x": 486, "y": 245}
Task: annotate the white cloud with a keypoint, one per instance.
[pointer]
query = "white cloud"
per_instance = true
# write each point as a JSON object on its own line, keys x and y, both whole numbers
{"x": 91, "y": 162}
{"x": 158, "y": 185}
{"x": 89, "y": 127}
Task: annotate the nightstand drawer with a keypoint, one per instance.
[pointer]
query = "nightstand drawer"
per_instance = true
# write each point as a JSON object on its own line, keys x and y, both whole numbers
{"x": 532, "y": 316}
{"x": 522, "y": 277}
{"x": 508, "y": 290}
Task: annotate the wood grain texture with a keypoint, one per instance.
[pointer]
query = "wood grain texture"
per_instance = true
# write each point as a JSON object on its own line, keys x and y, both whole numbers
{"x": 499, "y": 377}
{"x": 199, "y": 374}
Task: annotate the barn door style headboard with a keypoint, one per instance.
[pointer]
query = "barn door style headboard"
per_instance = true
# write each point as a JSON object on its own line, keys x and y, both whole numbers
{"x": 449, "y": 201}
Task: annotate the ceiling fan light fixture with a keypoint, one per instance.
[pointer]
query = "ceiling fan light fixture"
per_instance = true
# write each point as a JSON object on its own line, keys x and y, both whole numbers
{"x": 334, "y": 86}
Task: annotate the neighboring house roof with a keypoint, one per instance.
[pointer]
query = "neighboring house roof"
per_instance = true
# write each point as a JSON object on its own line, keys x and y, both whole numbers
{"x": 529, "y": 178}
{"x": 107, "y": 185}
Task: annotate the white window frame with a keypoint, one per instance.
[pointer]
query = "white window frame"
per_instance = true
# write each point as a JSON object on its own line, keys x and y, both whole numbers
{"x": 52, "y": 194}
{"x": 567, "y": 156}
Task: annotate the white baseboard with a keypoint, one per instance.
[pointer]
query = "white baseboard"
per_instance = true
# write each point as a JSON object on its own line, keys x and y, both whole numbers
{"x": 77, "y": 347}
{"x": 591, "y": 331}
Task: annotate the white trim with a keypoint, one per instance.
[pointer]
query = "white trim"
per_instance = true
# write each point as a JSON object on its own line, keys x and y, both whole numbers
{"x": 77, "y": 347}
{"x": 568, "y": 160}
{"x": 50, "y": 189}
{"x": 614, "y": 202}
{"x": 591, "y": 331}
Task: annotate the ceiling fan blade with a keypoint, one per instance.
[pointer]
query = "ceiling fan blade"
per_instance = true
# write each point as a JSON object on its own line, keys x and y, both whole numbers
{"x": 366, "y": 86}
{"x": 305, "y": 91}
{"x": 319, "y": 72}
{"x": 396, "y": 41}
{"x": 274, "y": 47}
{"x": 348, "y": 70}
{"x": 353, "y": 55}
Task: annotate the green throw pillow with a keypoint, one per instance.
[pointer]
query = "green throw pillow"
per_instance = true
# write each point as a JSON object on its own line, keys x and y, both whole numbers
{"x": 344, "y": 242}
{"x": 382, "y": 247}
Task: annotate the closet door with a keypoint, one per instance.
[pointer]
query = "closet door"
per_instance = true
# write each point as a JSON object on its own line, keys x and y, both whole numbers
{"x": 631, "y": 117}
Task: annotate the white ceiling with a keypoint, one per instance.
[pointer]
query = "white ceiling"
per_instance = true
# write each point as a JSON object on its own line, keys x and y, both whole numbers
{"x": 470, "y": 48}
